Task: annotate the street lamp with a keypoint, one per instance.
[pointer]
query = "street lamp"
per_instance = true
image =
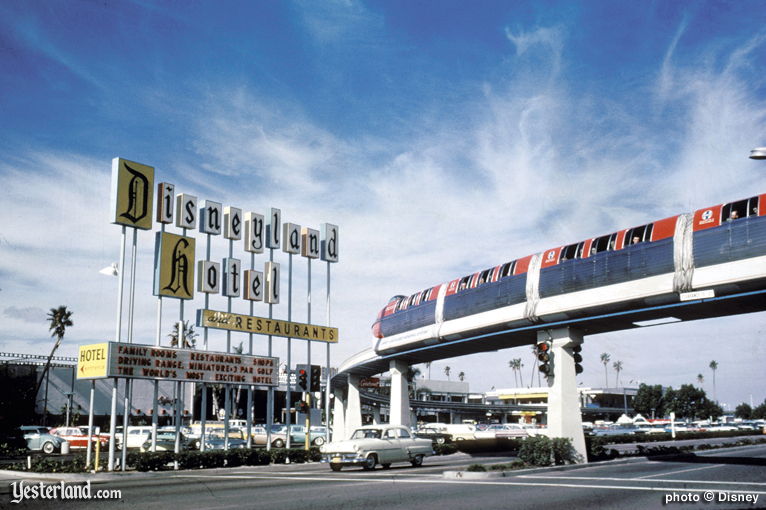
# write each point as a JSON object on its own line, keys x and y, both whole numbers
{"x": 758, "y": 153}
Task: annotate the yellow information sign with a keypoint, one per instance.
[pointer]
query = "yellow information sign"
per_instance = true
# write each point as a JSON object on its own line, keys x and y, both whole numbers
{"x": 265, "y": 326}
{"x": 93, "y": 361}
{"x": 132, "y": 194}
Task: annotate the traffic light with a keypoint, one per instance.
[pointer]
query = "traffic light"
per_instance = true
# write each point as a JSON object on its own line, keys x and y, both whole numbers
{"x": 302, "y": 377}
{"x": 577, "y": 358}
{"x": 545, "y": 357}
{"x": 315, "y": 382}
{"x": 302, "y": 407}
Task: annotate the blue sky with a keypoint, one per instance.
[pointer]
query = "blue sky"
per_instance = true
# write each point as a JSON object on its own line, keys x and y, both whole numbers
{"x": 442, "y": 137}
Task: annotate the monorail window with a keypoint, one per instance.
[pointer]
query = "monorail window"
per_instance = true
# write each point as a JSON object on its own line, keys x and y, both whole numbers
{"x": 402, "y": 304}
{"x": 603, "y": 243}
{"x": 752, "y": 207}
{"x": 639, "y": 234}
{"x": 484, "y": 276}
{"x": 737, "y": 210}
{"x": 573, "y": 251}
{"x": 463, "y": 283}
{"x": 507, "y": 269}
{"x": 426, "y": 295}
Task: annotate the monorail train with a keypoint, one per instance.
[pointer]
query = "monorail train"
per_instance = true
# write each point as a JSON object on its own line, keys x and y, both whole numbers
{"x": 722, "y": 248}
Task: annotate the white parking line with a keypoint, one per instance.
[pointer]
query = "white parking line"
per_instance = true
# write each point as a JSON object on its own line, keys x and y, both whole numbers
{"x": 682, "y": 471}
{"x": 640, "y": 479}
{"x": 335, "y": 479}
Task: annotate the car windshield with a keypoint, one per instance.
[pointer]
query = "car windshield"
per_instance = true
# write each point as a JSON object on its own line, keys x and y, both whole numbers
{"x": 366, "y": 434}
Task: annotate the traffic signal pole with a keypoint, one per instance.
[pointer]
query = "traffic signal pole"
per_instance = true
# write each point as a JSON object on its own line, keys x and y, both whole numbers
{"x": 564, "y": 414}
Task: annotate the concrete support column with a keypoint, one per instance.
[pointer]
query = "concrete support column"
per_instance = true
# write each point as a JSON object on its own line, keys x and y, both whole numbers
{"x": 400, "y": 397}
{"x": 564, "y": 414}
{"x": 376, "y": 416}
{"x": 339, "y": 416}
{"x": 353, "y": 407}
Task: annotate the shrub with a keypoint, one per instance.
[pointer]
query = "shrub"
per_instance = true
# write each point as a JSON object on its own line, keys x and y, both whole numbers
{"x": 476, "y": 468}
{"x": 150, "y": 461}
{"x": 544, "y": 451}
{"x": 445, "y": 449}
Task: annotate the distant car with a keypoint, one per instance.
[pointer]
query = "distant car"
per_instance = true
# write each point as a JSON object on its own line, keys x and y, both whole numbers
{"x": 137, "y": 435}
{"x": 217, "y": 441}
{"x": 78, "y": 438}
{"x": 278, "y": 436}
{"x": 436, "y": 435}
{"x": 502, "y": 431}
{"x": 40, "y": 439}
{"x": 298, "y": 435}
{"x": 166, "y": 441}
{"x": 373, "y": 444}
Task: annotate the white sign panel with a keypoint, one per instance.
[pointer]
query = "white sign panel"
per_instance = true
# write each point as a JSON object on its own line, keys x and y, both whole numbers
{"x": 254, "y": 285}
{"x": 310, "y": 248}
{"x": 165, "y": 196}
{"x": 232, "y": 223}
{"x": 254, "y": 232}
{"x": 272, "y": 282}
{"x": 186, "y": 211}
{"x": 231, "y": 275}
{"x": 291, "y": 234}
{"x": 329, "y": 242}
{"x": 208, "y": 277}
{"x": 210, "y": 218}
{"x": 272, "y": 230}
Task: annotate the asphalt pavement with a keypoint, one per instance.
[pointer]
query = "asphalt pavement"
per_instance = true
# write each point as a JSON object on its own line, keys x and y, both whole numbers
{"x": 730, "y": 478}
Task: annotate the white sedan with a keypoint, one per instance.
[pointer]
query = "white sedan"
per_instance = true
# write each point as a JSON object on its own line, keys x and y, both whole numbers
{"x": 377, "y": 444}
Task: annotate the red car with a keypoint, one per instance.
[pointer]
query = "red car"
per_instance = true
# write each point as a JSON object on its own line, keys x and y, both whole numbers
{"x": 78, "y": 436}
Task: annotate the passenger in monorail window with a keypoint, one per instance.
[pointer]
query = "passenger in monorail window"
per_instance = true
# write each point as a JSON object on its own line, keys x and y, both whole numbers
{"x": 733, "y": 216}
{"x": 635, "y": 240}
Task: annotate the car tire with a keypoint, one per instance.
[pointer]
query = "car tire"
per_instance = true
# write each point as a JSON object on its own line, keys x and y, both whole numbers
{"x": 319, "y": 441}
{"x": 440, "y": 440}
{"x": 417, "y": 461}
{"x": 49, "y": 448}
{"x": 278, "y": 443}
{"x": 336, "y": 467}
{"x": 387, "y": 465}
{"x": 369, "y": 462}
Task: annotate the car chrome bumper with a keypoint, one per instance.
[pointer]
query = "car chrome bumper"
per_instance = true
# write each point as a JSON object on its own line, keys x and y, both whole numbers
{"x": 345, "y": 459}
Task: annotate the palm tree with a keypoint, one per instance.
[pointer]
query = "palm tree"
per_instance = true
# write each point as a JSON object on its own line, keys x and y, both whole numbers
{"x": 60, "y": 319}
{"x": 700, "y": 379}
{"x": 512, "y": 366}
{"x": 461, "y": 376}
{"x": 428, "y": 366}
{"x": 714, "y": 366}
{"x": 188, "y": 335}
{"x": 605, "y": 360}
{"x": 411, "y": 376}
{"x": 617, "y": 365}
{"x": 447, "y": 371}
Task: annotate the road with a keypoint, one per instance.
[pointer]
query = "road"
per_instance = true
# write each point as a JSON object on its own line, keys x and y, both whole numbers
{"x": 638, "y": 484}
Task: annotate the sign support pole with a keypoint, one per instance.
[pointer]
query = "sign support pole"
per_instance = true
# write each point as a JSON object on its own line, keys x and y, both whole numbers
{"x": 203, "y": 403}
{"x": 250, "y": 387}
{"x": 90, "y": 424}
{"x": 227, "y": 388}
{"x": 157, "y": 340}
{"x": 288, "y": 395}
{"x": 128, "y": 385}
{"x": 308, "y": 352}
{"x": 327, "y": 382}
{"x": 118, "y": 334}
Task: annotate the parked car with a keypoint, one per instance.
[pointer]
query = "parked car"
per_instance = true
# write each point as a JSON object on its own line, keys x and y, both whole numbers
{"x": 373, "y": 444}
{"x": 435, "y": 434}
{"x": 166, "y": 441}
{"x": 278, "y": 436}
{"x": 502, "y": 431}
{"x": 217, "y": 441}
{"x": 40, "y": 439}
{"x": 136, "y": 436}
{"x": 298, "y": 435}
{"x": 78, "y": 438}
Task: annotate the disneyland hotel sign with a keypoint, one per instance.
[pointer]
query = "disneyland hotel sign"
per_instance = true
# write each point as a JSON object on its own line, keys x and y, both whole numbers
{"x": 178, "y": 274}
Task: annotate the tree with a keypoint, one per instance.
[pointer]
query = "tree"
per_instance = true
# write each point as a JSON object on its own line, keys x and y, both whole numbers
{"x": 759, "y": 413}
{"x": 411, "y": 376}
{"x": 461, "y": 376}
{"x": 650, "y": 400}
{"x": 60, "y": 319}
{"x": 428, "y": 366}
{"x": 605, "y": 360}
{"x": 617, "y": 365}
{"x": 690, "y": 402}
{"x": 743, "y": 411}
{"x": 515, "y": 365}
{"x": 714, "y": 366}
{"x": 188, "y": 335}
{"x": 700, "y": 379}
{"x": 447, "y": 371}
